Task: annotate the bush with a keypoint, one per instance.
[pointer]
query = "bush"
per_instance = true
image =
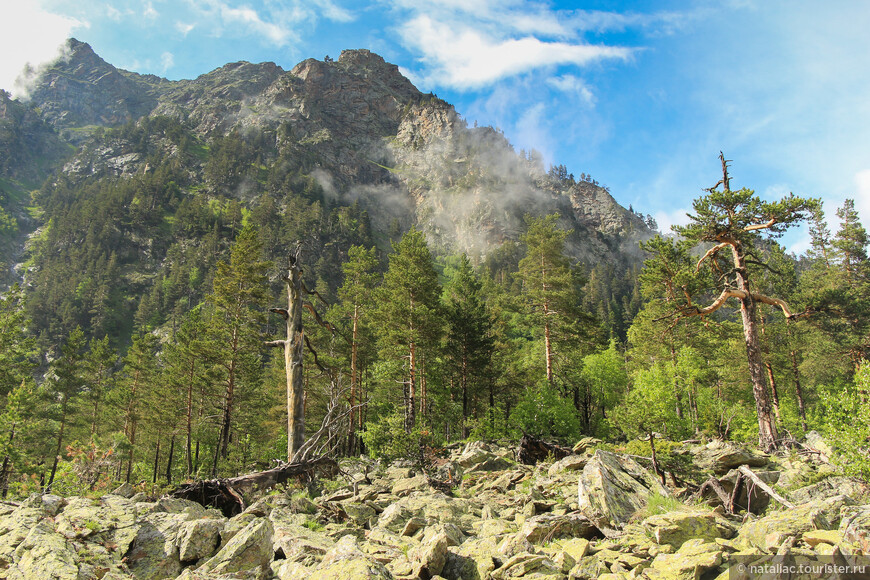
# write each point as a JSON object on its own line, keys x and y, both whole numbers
{"x": 847, "y": 424}
{"x": 542, "y": 412}
{"x": 387, "y": 439}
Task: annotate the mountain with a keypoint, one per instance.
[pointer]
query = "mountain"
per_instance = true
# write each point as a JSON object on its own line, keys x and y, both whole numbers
{"x": 147, "y": 180}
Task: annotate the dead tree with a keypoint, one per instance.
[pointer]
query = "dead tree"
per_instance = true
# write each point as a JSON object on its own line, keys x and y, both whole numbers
{"x": 292, "y": 346}
{"x": 293, "y": 352}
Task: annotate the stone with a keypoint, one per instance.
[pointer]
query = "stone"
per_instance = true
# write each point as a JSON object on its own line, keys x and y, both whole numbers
{"x": 721, "y": 457}
{"x": 855, "y": 528}
{"x": 407, "y": 485}
{"x": 586, "y": 444}
{"x": 612, "y": 488}
{"x": 819, "y": 444}
{"x": 835, "y": 485}
{"x": 675, "y": 528}
{"x": 525, "y": 565}
{"x": 547, "y": 527}
{"x": 44, "y": 554}
{"x": 690, "y": 562}
{"x": 124, "y": 490}
{"x": 284, "y": 570}
{"x": 429, "y": 558}
{"x": 815, "y": 537}
{"x": 346, "y": 561}
{"x": 570, "y": 463}
{"x": 199, "y": 539}
{"x": 475, "y": 558}
{"x": 769, "y": 532}
{"x": 249, "y": 549}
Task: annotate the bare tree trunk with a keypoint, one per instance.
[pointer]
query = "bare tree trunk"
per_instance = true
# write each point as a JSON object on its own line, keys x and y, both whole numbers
{"x": 57, "y": 449}
{"x": 189, "y": 422}
{"x": 156, "y": 462}
{"x": 229, "y": 396}
{"x": 352, "y": 437}
{"x": 798, "y": 391}
{"x": 773, "y": 390}
{"x": 169, "y": 461}
{"x": 292, "y": 346}
{"x": 410, "y": 412}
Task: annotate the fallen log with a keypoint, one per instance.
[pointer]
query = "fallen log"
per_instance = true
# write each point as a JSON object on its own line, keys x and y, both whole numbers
{"x": 531, "y": 450}
{"x": 767, "y": 489}
{"x": 227, "y": 494}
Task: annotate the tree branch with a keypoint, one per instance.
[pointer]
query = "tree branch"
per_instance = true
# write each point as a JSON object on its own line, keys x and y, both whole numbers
{"x": 711, "y": 252}
{"x": 281, "y": 343}
{"x": 757, "y": 227}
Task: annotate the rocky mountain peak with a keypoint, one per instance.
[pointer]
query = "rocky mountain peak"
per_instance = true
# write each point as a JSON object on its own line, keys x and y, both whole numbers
{"x": 80, "y": 89}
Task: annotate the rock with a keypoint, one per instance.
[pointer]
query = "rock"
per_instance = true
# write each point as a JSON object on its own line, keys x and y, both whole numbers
{"x": 720, "y": 457}
{"x": 586, "y": 444}
{"x": 819, "y": 444}
{"x": 836, "y": 485}
{"x": 769, "y": 532}
{"x": 475, "y": 558}
{"x": 124, "y": 490}
{"x": 675, "y": 528}
{"x": 284, "y": 570}
{"x": 199, "y": 539}
{"x": 815, "y": 537}
{"x": 613, "y": 488}
{"x": 690, "y": 562}
{"x": 153, "y": 552}
{"x": 44, "y": 554}
{"x": 249, "y": 549}
{"x": 300, "y": 544}
{"x": 855, "y": 528}
{"x": 528, "y": 565}
{"x": 570, "y": 463}
{"x": 407, "y": 485}
{"x": 346, "y": 560}
{"x": 429, "y": 558}
{"x": 547, "y": 527}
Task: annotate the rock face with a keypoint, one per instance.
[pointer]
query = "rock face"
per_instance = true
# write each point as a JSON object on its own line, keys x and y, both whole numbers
{"x": 613, "y": 488}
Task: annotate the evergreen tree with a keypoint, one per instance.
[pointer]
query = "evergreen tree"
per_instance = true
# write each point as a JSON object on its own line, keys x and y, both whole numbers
{"x": 139, "y": 373}
{"x": 469, "y": 341}
{"x": 409, "y": 313}
{"x": 63, "y": 389}
{"x": 238, "y": 299}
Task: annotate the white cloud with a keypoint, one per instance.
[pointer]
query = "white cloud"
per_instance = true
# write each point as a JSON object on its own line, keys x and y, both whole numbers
{"x": 676, "y": 217}
{"x": 167, "y": 61}
{"x": 574, "y": 85}
{"x": 862, "y": 197}
{"x": 184, "y": 28}
{"x": 249, "y": 17}
{"x": 30, "y": 35}
{"x": 464, "y": 57}
{"x": 150, "y": 12}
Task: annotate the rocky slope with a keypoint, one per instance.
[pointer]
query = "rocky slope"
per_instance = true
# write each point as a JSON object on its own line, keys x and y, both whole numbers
{"x": 500, "y": 520}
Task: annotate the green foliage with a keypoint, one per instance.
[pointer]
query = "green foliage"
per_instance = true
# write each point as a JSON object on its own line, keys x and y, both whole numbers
{"x": 543, "y": 412}
{"x": 650, "y": 406}
{"x": 388, "y": 440}
{"x": 847, "y": 424}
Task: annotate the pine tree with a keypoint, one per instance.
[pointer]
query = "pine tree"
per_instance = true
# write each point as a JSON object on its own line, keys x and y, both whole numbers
{"x": 550, "y": 287}
{"x": 409, "y": 312}
{"x": 469, "y": 342}
{"x": 63, "y": 389}
{"x": 238, "y": 299}
{"x": 99, "y": 365}
{"x": 139, "y": 372}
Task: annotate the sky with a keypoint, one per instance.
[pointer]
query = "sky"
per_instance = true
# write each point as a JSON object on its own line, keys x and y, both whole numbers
{"x": 641, "y": 95}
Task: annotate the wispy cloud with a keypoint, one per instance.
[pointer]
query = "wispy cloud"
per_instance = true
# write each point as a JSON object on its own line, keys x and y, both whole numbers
{"x": 30, "y": 36}
{"x": 573, "y": 84}
{"x": 467, "y": 57}
{"x": 167, "y": 61}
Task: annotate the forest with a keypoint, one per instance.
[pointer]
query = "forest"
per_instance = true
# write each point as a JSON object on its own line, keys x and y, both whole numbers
{"x": 141, "y": 347}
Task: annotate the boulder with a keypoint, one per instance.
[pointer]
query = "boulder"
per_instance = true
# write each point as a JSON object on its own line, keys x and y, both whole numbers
{"x": 249, "y": 549}
{"x": 528, "y": 565}
{"x": 547, "y": 527}
{"x": 407, "y": 485}
{"x": 570, "y": 463}
{"x": 612, "y": 488}
{"x": 476, "y": 558}
{"x": 44, "y": 554}
{"x": 836, "y": 485}
{"x": 855, "y": 528}
{"x": 153, "y": 552}
{"x": 429, "y": 557}
{"x": 690, "y": 562}
{"x": 721, "y": 457}
{"x": 199, "y": 539}
{"x": 769, "y": 532}
{"x": 817, "y": 443}
{"x": 676, "y": 528}
{"x": 346, "y": 560}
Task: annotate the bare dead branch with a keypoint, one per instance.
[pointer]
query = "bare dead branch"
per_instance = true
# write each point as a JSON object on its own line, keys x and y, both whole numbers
{"x": 756, "y": 227}
{"x": 281, "y": 343}
{"x": 284, "y": 314}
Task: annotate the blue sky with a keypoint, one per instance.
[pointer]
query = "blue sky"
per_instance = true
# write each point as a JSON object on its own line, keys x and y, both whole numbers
{"x": 641, "y": 95}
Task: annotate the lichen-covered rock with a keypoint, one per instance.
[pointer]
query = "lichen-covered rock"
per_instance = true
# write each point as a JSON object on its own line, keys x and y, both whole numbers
{"x": 528, "y": 566}
{"x": 855, "y": 528}
{"x": 345, "y": 561}
{"x": 769, "y": 532}
{"x": 722, "y": 456}
{"x": 835, "y": 485}
{"x": 570, "y": 463}
{"x": 249, "y": 549}
{"x": 153, "y": 552}
{"x": 199, "y": 539}
{"x": 475, "y": 559}
{"x": 548, "y": 527}
{"x": 675, "y": 528}
{"x": 690, "y": 562}
{"x": 407, "y": 485}
{"x": 44, "y": 554}
{"x": 613, "y": 488}
{"x": 429, "y": 558}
